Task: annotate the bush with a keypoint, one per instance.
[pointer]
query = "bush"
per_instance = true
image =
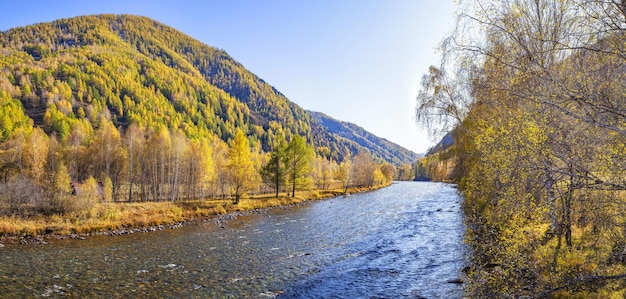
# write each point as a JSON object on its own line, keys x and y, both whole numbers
{"x": 19, "y": 196}
{"x": 220, "y": 210}
{"x": 61, "y": 201}
{"x": 111, "y": 214}
{"x": 178, "y": 212}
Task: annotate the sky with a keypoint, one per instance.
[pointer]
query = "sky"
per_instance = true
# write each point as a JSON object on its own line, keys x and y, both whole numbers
{"x": 359, "y": 61}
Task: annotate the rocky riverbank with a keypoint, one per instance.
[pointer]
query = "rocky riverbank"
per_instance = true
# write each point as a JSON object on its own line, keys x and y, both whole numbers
{"x": 51, "y": 233}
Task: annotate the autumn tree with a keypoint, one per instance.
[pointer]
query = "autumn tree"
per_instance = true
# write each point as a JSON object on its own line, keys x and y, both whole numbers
{"x": 363, "y": 170}
{"x": 418, "y": 171}
{"x": 35, "y": 154}
{"x": 406, "y": 172}
{"x": 388, "y": 172}
{"x": 241, "y": 171}
{"x": 107, "y": 189}
{"x": 176, "y": 161}
{"x": 200, "y": 168}
{"x": 324, "y": 170}
{"x": 537, "y": 141}
{"x": 442, "y": 102}
{"x": 134, "y": 142}
{"x": 108, "y": 156}
{"x": 61, "y": 189}
{"x": 343, "y": 173}
{"x": 76, "y": 149}
{"x": 89, "y": 193}
{"x": 220, "y": 158}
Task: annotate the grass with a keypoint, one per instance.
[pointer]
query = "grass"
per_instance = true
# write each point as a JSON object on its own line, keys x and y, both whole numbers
{"x": 114, "y": 216}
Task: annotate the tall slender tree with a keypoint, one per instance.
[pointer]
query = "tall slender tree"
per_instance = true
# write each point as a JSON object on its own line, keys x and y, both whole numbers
{"x": 135, "y": 139}
{"x": 273, "y": 173}
{"x": 298, "y": 157}
{"x": 241, "y": 170}
{"x": 343, "y": 174}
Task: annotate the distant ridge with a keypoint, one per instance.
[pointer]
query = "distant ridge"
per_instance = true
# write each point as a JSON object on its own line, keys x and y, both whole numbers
{"x": 378, "y": 147}
{"x": 446, "y": 142}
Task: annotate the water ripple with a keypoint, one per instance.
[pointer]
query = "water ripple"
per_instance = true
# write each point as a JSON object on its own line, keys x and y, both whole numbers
{"x": 404, "y": 241}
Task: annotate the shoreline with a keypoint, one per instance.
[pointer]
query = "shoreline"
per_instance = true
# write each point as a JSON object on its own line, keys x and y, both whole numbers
{"x": 234, "y": 212}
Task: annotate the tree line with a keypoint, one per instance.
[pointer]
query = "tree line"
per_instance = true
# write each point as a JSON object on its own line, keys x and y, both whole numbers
{"x": 141, "y": 71}
{"x": 40, "y": 172}
{"x": 533, "y": 91}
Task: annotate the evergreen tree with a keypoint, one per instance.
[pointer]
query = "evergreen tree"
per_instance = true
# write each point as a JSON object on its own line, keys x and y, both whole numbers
{"x": 298, "y": 157}
{"x": 273, "y": 173}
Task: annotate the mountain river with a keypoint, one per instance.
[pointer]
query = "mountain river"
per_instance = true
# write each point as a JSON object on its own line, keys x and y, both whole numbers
{"x": 404, "y": 241}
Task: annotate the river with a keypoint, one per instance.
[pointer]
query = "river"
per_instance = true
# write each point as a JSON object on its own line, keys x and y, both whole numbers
{"x": 404, "y": 241}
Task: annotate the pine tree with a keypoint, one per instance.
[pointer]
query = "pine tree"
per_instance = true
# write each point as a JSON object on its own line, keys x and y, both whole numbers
{"x": 297, "y": 158}
{"x": 273, "y": 173}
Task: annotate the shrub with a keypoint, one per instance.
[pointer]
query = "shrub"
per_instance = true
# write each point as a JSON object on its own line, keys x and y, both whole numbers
{"x": 18, "y": 196}
{"x": 111, "y": 214}
{"x": 177, "y": 211}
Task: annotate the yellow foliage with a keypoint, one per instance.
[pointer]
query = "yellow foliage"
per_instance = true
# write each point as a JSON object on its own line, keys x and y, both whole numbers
{"x": 111, "y": 216}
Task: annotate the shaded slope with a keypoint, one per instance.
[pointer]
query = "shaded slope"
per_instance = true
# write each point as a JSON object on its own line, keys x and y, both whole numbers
{"x": 379, "y": 147}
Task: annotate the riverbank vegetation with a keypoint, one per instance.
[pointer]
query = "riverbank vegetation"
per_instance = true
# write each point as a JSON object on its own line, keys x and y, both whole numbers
{"x": 104, "y": 217}
{"x": 138, "y": 177}
{"x": 533, "y": 92}
{"x": 102, "y": 117}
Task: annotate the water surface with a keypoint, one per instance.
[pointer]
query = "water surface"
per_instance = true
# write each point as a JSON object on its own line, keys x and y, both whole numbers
{"x": 402, "y": 241}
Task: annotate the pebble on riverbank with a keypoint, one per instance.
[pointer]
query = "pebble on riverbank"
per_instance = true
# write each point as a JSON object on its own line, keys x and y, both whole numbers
{"x": 213, "y": 219}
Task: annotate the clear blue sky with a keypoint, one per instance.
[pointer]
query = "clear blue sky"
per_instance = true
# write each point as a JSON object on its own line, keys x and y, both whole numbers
{"x": 356, "y": 60}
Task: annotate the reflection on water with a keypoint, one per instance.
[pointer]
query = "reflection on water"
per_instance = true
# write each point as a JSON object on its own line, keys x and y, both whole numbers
{"x": 402, "y": 241}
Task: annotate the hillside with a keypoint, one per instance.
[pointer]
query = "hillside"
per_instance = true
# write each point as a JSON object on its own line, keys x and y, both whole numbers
{"x": 378, "y": 147}
{"x": 131, "y": 69}
{"x": 445, "y": 143}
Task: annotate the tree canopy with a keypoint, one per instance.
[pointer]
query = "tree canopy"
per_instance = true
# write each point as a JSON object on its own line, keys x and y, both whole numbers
{"x": 534, "y": 92}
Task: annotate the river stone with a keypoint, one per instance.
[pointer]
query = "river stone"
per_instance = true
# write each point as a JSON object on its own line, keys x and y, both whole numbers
{"x": 455, "y": 280}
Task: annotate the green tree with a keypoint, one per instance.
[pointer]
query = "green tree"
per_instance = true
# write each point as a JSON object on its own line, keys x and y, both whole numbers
{"x": 273, "y": 173}
{"x": 297, "y": 158}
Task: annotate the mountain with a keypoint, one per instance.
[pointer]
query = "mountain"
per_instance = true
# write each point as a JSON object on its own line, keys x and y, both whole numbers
{"x": 446, "y": 142}
{"x": 378, "y": 147}
{"x": 72, "y": 73}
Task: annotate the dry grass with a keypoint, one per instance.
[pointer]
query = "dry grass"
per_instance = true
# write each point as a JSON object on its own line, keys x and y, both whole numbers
{"x": 114, "y": 216}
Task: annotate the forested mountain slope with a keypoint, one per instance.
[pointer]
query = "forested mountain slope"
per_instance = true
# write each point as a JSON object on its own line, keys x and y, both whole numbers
{"x": 72, "y": 72}
{"x": 378, "y": 147}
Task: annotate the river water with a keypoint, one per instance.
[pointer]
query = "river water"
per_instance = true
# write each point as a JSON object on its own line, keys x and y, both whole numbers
{"x": 404, "y": 241}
